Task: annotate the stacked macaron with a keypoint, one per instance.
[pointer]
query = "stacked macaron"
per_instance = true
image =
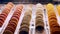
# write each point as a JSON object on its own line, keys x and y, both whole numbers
{"x": 10, "y": 29}
{"x": 39, "y": 19}
{"x": 58, "y": 9}
{"x": 5, "y": 13}
{"x": 24, "y": 27}
{"x": 54, "y": 26}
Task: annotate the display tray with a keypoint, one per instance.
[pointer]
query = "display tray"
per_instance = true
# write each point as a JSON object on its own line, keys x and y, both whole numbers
{"x": 32, "y": 22}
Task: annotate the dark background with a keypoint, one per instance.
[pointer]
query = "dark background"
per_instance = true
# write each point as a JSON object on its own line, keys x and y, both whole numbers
{"x": 29, "y": 1}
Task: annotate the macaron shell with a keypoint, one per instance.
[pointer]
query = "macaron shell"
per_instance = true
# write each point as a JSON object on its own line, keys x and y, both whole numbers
{"x": 13, "y": 22}
{"x": 7, "y": 32}
{"x": 12, "y": 25}
{"x": 10, "y": 28}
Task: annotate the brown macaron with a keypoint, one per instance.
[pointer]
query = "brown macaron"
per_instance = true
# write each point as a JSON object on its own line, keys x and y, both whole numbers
{"x": 24, "y": 24}
{"x": 7, "y": 32}
{"x": 39, "y": 16}
{"x": 16, "y": 16}
{"x": 53, "y": 22}
{"x": 52, "y": 18}
{"x": 24, "y": 31}
{"x": 14, "y": 19}
{"x": 27, "y": 18}
{"x": 24, "y": 27}
{"x": 39, "y": 12}
{"x": 10, "y": 28}
{"x": 56, "y": 28}
{"x": 13, "y": 22}
{"x": 12, "y": 25}
{"x": 4, "y": 14}
{"x": 2, "y": 19}
{"x": 39, "y": 22}
{"x": 39, "y": 19}
{"x": 55, "y": 31}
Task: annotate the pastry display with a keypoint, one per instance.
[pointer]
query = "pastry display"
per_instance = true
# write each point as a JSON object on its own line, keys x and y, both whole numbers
{"x": 22, "y": 18}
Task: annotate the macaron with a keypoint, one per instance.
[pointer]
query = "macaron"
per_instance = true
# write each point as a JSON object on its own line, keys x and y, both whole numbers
{"x": 25, "y": 18}
{"x": 16, "y": 16}
{"x": 39, "y": 18}
{"x": 24, "y": 31}
{"x": 14, "y": 19}
{"x": 2, "y": 19}
{"x": 10, "y": 3}
{"x": 13, "y": 22}
{"x": 19, "y": 7}
{"x": 55, "y": 31}
{"x": 39, "y": 28}
{"x": 51, "y": 14}
{"x": 7, "y": 8}
{"x": 53, "y": 22}
{"x": 4, "y": 14}
{"x": 56, "y": 28}
{"x": 39, "y": 15}
{"x": 24, "y": 27}
{"x": 10, "y": 28}
{"x": 7, "y": 32}
{"x": 28, "y": 13}
{"x": 5, "y": 11}
{"x": 17, "y": 11}
{"x": 53, "y": 17}
{"x": 50, "y": 7}
{"x": 39, "y": 22}
{"x": 12, "y": 25}
{"x": 25, "y": 24}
